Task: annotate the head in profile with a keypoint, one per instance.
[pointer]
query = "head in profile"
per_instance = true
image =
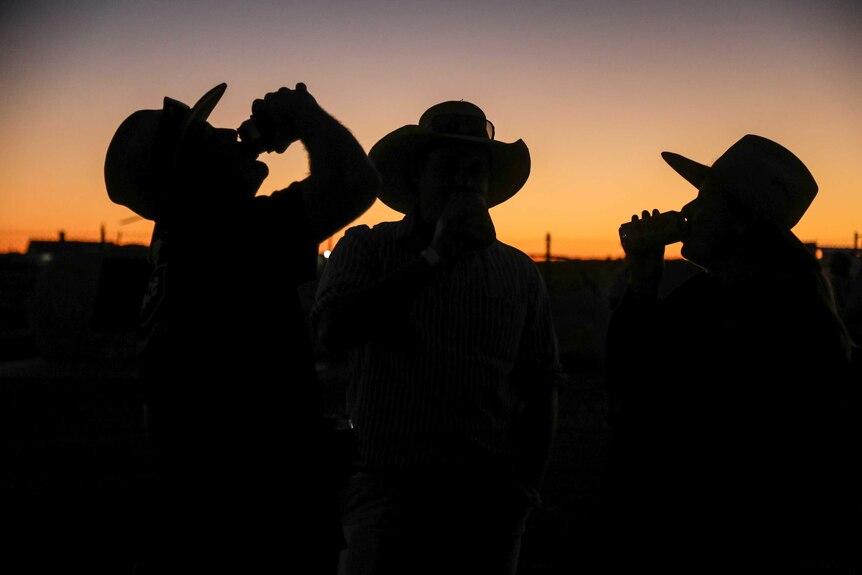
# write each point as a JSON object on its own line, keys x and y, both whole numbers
{"x": 165, "y": 163}
{"x": 747, "y": 202}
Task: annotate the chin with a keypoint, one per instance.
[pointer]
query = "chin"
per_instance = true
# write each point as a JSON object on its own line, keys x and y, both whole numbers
{"x": 255, "y": 178}
{"x": 261, "y": 169}
{"x": 688, "y": 252}
{"x": 701, "y": 258}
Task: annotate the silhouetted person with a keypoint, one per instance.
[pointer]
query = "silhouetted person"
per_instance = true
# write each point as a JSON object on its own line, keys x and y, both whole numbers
{"x": 235, "y": 411}
{"x": 453, "y": 354}
{"x": 734, "y": 443}
{"x": 847, "y": 283}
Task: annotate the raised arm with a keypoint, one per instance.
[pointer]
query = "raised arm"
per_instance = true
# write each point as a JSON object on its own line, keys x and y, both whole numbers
{"x": 342, "y": 183}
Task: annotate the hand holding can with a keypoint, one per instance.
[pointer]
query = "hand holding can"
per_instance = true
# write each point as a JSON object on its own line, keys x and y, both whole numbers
{"x": 276, "y": 120}
{"x": 652, "y": 231}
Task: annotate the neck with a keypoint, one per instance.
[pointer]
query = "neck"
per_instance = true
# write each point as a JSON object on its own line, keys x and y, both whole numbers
{"x": 767, "y": 257}
{"x": 425, "y": 225}
{"x": 734, "y": 271}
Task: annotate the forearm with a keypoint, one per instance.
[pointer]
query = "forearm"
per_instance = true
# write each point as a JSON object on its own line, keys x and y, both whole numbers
{"x": 631, "y": 323}
{"x": 342, "y": 183}
{"x": 628, "y": 348}
{"x": 645, "y": 272}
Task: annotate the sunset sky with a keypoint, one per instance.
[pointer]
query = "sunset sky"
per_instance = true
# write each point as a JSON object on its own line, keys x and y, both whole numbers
{"x": 596, "y": 89}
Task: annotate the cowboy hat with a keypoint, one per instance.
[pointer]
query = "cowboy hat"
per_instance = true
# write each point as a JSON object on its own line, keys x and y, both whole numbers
{"x": 143, "y": 151}
{"x": 396, "y": 154}
{"x": 763, "y": 175}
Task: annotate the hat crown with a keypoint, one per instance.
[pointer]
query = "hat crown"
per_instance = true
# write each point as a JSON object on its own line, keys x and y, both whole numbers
{"x": 768, "y": 178}
{"x": 762, "y": 174}
{"x": 457, "y": 118}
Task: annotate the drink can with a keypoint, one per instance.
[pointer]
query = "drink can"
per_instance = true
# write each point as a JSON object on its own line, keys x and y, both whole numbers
{"x": 659, "y": 230}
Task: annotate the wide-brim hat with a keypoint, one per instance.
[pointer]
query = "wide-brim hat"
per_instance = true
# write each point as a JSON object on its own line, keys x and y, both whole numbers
{"x": 763, "y": 175}
{"x": 143, "y": 151}
{"x": 397, "y": 155}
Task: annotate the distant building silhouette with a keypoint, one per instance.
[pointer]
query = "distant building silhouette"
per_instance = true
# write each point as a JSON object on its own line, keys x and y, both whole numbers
{"x": 68, "y": 299}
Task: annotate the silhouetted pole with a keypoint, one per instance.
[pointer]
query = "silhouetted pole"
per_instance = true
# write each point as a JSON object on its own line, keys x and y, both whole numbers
{"x": 124, "y": 222}
{"x": 548, "y": 262}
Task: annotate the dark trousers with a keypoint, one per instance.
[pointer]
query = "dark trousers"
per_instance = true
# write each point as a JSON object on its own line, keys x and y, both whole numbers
{"x": 432, "y": 523}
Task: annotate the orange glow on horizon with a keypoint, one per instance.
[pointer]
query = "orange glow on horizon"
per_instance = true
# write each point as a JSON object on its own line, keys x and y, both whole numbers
{"x": 596, "y": 90}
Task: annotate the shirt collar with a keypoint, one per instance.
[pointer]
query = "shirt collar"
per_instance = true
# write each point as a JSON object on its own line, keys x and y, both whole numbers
{"x": 412, "y": 229}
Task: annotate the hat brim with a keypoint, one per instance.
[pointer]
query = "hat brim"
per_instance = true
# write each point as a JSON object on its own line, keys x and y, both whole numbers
{"x": 396, "y": 155}
{"x": 695, "y": 173}
{"x": 202, "y": 109}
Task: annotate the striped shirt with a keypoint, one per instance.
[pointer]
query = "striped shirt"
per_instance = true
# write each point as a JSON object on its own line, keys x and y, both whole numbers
{"x": 444, "y": 388}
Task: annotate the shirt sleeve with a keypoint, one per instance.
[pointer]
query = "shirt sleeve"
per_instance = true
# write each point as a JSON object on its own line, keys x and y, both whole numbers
{"x": 350, "y": 266}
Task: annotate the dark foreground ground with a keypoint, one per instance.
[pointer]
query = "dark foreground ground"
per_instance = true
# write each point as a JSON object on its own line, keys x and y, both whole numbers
{"x": 73, "y": 458}
{"x": 564, "y": 536}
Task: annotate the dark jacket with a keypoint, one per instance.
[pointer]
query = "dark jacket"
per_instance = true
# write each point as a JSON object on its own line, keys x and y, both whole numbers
{"x": 734, "y": 435}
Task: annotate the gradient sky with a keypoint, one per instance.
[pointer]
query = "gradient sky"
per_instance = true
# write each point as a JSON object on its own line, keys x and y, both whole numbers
{"x": 596, "y": 89}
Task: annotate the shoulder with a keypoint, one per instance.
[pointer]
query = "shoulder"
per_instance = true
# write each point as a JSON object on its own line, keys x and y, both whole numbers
{"x": 514, "y": 263}
{"x": 378, "y": 237}
{"x": 357, "y": 232}
{"x": 511, "y": 269}
{"x": 286, "y": 204}
{"x": 696, "y": 286}
{"x": 381, "y": 229}
{"x": 277, "y": 218}
{"x": 353, "y": 243}
{"x": 379, "y": 233}
{"x": 366, "y": 242}
{"x": 290, "y": 194}
{"x": 693, "y": 295}
{"x": 513, "y": 255}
